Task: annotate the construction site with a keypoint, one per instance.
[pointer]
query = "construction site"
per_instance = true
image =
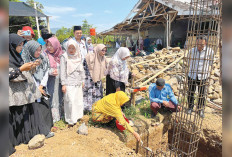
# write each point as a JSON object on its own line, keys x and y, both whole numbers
{"x": 179, "y": 25}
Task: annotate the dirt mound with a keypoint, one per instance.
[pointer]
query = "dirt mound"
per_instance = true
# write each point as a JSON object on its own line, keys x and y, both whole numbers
{"x": 67, "y": 143}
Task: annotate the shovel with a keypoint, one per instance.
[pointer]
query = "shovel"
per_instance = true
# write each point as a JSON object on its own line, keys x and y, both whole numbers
{"x": 147, "y": 148}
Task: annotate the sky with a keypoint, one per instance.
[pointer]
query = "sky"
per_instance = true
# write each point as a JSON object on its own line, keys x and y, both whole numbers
{"x": 102, "y": 14}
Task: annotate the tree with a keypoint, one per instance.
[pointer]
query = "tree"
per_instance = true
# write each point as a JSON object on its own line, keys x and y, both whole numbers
{"x": 86, "y": 27}
{"x": 39, "y": 7}
{"x": 64, "y": 33}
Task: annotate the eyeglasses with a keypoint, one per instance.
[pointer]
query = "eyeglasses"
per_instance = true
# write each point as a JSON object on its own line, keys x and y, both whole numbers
{"x": 104, "y": 50}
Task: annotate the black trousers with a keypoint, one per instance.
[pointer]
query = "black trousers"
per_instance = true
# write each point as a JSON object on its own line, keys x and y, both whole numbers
{"x": 192, "y": 84}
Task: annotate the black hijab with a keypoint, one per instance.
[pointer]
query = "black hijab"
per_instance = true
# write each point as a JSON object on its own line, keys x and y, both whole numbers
{"x": 15, "y": 60}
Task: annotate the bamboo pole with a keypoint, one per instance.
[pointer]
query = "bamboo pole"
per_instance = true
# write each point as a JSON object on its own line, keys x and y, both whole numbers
{"x": 144, "y": 77}
{"x": 161, "y": 71}
{"x": 150, "y": 74}
{"x": 37, "y": 21}
{"x": 156, "y": 59}
{"x": 133, "y": 94}
{"x": 48, "y": 24}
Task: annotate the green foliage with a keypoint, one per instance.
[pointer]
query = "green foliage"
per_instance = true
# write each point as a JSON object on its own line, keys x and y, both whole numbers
{"x": 39, "y": 6}
{"x": 86, "y": 27}
{"x": 130, "y": 112}
{"x": 36, "y": 34}
{"x": 145, "y": 109}
{"x": 60, "y": 124}
{"x": 64, "y": 33}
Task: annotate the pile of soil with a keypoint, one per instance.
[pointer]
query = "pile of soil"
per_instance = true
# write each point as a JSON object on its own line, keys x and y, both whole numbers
{"x": 67, "y": 143}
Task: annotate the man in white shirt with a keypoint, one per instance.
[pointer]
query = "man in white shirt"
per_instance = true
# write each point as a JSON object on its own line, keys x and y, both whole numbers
{"x": 77, "y": 36}
{"x": 200, "y": 59}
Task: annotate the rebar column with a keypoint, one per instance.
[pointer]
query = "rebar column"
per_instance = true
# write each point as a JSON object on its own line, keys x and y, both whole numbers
{"x": 202, "y": 45}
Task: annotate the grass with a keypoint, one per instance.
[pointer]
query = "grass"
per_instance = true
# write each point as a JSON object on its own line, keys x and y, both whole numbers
{"x": 130, "y": 112}
{"x": 143, "y": 108}
{"x": 60, "y": 124}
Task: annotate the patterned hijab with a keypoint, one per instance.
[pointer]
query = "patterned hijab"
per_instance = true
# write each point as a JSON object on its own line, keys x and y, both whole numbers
{"x": 28, "y": 55}
{"x": 96, "y": 63}
{"x": 73, "y": 61}
{"x": 117, "y": 68}
{"x": 15, "y": 60}
{"x": 54, "y": 57}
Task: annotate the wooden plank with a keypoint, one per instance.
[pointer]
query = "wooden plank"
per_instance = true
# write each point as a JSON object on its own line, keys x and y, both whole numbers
{"x": 143, "y": 8}
{"x": 161, "y": 71}
{"x": 156, "y": 59}
{"x": 133, "y": 94}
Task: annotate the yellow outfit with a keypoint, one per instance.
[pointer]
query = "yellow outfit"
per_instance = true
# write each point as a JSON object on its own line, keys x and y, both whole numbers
{"x": 110, "y": 106}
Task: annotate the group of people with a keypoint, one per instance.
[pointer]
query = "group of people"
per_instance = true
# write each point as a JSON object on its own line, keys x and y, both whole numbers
{"x": 47, "y": 83}
{"x": 141, "y": 44}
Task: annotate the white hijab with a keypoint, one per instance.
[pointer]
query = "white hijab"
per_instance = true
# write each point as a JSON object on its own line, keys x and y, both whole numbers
{"x": 73, "y": 61}
{"x": 117, "y": 68}
{"x": 90, "y": 47}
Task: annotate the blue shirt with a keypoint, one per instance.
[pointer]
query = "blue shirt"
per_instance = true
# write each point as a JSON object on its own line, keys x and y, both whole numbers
{"x": 146, "y": 42}
{"x": 41, "y": 41}
{"x": 159, "y": 96}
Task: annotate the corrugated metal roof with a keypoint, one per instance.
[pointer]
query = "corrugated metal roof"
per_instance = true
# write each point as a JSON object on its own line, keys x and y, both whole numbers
{"x": 143, "y": 9}
{"x": 22, "y": 9}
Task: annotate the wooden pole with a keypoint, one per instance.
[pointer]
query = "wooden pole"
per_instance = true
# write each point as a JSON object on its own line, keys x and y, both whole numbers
{"x": 48, "y": 24}
{"x": 167, "y": 30}
{"x": 155, "y": 59}
{"x": 144, "y": 77}
{"x": 133, "y": 94}
{"x": 161, "y": 71}
{"x": 37, "y": 22}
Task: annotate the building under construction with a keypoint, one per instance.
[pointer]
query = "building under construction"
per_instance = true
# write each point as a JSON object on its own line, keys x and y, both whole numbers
{"x": 177, "y": 22}
{"x": 158, "y": 19}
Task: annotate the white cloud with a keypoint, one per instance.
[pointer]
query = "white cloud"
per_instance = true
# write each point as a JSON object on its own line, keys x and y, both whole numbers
{"x": 107, "y": 11}
{"x": 83, "y": 15}
{"x": 54, "y": 17}
{"x": 58, "y": 9}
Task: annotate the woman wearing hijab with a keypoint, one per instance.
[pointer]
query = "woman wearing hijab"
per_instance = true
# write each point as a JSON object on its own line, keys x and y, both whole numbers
{"x": 72, "y": 80}
{"x": 109, "y": 107}
{"x": 32, "y": 53}
{"x": 54, "y": 51}
{"x": 22, "y": 96}
{"x": 117, "y": 71}
{"x": 89, "y": 45}
{"x": 94, "y": 72}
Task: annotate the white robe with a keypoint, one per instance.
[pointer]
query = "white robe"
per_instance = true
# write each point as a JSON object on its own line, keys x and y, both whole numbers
{"x": 73, "y": 104}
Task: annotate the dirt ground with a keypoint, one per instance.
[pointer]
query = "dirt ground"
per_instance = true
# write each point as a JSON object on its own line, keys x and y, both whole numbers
{"x": 67, "y": 143}
{"x": 210, "y": 144}
{"x": 105, "y": 142}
